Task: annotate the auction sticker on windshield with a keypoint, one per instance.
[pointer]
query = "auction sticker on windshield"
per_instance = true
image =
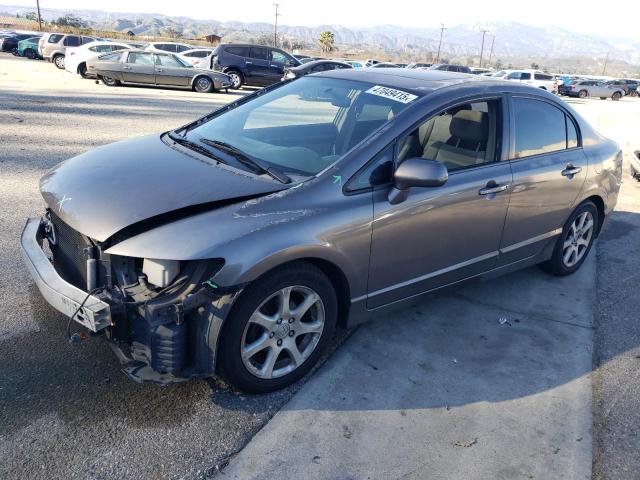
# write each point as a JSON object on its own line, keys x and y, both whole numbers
{"x": 392, "y": 93}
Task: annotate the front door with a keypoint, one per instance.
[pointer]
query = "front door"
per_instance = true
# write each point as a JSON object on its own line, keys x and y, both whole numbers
{"x": 441, "y": 235}
{"x": 170, "y": 71}
{"x": 139, "y": 68}
{"x": 549, "y": 170}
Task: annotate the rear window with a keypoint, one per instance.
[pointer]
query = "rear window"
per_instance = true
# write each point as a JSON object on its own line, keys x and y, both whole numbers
{"x": 54, "y": 38}
{"x": 240, "y": 51}
{"x": 539, "y": 128}
{"x": 198, "y": 54}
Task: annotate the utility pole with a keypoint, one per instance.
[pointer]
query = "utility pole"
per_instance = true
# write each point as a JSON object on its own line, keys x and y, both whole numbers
{"x": 39, "y": 17}
{"x": 606, "y": 60}
{"x": 275, "y": 29}
{"x": 484, "y": 32}
{"x": 493, "y": 41}
{"x": 442, "y": 29}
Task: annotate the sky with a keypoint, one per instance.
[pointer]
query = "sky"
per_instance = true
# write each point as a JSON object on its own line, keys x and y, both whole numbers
{"x": 409, "y": 13}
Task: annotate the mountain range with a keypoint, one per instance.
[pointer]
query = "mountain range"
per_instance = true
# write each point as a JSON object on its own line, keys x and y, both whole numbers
{"x": 512, "y": 40}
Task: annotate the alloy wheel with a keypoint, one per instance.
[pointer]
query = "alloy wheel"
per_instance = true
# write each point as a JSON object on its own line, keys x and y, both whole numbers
{"x": 236, "y": 81}
{"x": 578, "y": 239}
{"x": 282, "y": 332}
{"x": 59, "y": 61}
{"x": 203, "y": 84}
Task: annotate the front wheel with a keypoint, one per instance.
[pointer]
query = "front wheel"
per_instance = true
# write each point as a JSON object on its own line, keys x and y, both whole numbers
{"x": 616, "y": 96}
{"x": 575, "y": 242}
{"x": 110, "y": 81}
{"x": 278, "y": 329}
{"x": 203, "y": 85}
{"x": 583, "y": 94}
{"x": 236, "y": 79}
{"x": 82, "y": 70}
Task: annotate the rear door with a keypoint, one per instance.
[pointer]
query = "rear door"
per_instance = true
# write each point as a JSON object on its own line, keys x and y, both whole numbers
{"x": 139, "y": 68}
{"x": 258, "y": 66}
{"x": 549, "y": 170}
{"x": 170, "y": 71}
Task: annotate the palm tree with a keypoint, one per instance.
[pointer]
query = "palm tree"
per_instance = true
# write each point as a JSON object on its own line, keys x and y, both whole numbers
{"x": 326, "y": 41}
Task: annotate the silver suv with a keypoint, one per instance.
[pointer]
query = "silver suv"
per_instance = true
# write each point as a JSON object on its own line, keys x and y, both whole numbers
{"x": 53, "y": 46}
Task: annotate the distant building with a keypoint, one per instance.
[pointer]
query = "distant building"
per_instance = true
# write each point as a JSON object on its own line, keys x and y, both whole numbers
{"x": 18, "y": 23}
{"x": 129, "y": 33}
{"x": 213, "y": 39}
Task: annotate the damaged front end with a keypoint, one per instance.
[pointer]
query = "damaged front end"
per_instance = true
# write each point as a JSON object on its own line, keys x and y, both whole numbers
{"x": 161, "y": 317}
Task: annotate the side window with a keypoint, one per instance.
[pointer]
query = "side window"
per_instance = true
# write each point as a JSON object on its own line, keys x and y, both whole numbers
{"x": 259, "y": 53}
{"x": 110, "y": 57}
{"x": 102, "y": 48}
{"x": 542, "y": 76}
{"x": 460, "y": 137}
{"x": 572, "y": 133}
{"x": 525, "y": 76}
{"x": 240, "y": 51}
{"x": 54, "y": 38}
{"x": 140, "y": 58}
{"x": 71, "y": 41}
{"x": 87, "y": 40}
{"x": 377, "y": 172}
{"x": 279, "y": 57}
{"x": 539, "y": 128}
{"x": 514, "y": 76}
{"x": 182, "y": 48}
{"x": 168, "y": 61}
{"x": 319, "y": 68}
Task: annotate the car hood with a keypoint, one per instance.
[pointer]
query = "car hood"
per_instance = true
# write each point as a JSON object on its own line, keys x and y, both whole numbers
{"x": 109, "y": 188}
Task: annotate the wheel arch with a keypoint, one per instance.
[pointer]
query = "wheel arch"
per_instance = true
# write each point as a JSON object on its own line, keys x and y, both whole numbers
{"x": 200, "y": 75}
{"x": 599, "y": 203}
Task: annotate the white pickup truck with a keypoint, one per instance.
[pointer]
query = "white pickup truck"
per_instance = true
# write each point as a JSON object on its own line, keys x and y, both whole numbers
{"x": 535, "y": 78}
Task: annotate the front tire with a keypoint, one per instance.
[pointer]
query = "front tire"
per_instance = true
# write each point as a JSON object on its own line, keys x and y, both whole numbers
{"x": 575, "y": 242}
{"x": 583, "y": 94}
{"x": 236, "y": 79}
{"x": 616, "y": 96}
{"x": 203, "y": 85}
{"x": 110, "y": 81}
{"x": 58, "y": 61}
{"x": 278, "y": 329}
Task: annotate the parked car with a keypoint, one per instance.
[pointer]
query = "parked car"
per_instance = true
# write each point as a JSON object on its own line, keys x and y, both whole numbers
{"x": 29, "y": 48}
{"x": 501, "y": 73}
{"x": 197, "y": 56}
{"x": 563, "y": 83}
{"x": 76, "y": 57}
{"x": 635, "y": 165}
{"x": 236, "y": 244}
{"x": 419, "y": 65}
{"x": 371, "y": 61}
{"x": 384, "y": 65}
{"x": 450, "y": 68}
{"x": 172, "y": 47}
{"x": 255, "y": 65}
{"x": 481, "y": 71}
{"x": 154, "y": 68}
{"x": 594, "y": 88}
{"x": 534, "y": 78}
{"x": 356, "y": 63}
{"x": 313, "y": 67}
{"x": 53, "y": 46}
{"x": 629, "y": 87}
{"x": 10, "y": 43}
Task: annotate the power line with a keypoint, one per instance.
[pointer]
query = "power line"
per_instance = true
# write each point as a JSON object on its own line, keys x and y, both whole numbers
{"x": 442, "y": 29}
{"x": 275, "y": 28}
{"x": 484, "y": 32}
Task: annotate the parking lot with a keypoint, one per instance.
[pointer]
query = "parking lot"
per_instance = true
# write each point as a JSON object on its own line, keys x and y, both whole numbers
{"x": 68, "y": 412}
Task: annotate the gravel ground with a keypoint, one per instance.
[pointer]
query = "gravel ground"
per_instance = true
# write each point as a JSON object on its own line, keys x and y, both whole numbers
{"x": 65, "y": 411}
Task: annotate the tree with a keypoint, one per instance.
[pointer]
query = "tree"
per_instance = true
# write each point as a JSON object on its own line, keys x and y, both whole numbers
{"x": 70, "y": 20}
{"x": 326, "y": 42}
{"x": 31, "y": 16}
{"x": 171, "y": 32}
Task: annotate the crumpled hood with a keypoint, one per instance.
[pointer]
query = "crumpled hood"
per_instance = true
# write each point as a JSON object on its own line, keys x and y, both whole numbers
{"x": 109, "y": 188}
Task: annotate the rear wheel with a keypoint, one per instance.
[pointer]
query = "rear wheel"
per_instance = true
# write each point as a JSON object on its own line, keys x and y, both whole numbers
{"x": 82, "y": 70}
{"x": 575, "y": 242}
{"x": 603, "y": 98}
{"x": 110, "y": 81}
{"x": 203, "y": 85}
{"x": 58, "y": 61}
{"x": 583, "y": 94}
{"x": 30, "y": 54}
{"x": 278, "y": 329}
{"x": 616, "y": 96}
{"x": 236, "y": 78}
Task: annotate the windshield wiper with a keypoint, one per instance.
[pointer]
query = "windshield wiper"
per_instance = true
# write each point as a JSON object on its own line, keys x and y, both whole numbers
{"x": 193, "y": 146}
{"x": 247, "y": 160}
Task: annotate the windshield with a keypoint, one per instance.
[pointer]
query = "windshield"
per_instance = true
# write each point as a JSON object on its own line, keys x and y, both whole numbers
{"x": 304, "y": 126}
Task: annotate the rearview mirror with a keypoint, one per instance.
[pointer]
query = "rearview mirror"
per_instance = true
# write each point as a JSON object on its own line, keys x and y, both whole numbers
{"x": 416, "y": 172}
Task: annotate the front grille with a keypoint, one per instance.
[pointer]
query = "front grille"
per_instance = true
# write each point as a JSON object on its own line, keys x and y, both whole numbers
{"x": 69, "y": 258}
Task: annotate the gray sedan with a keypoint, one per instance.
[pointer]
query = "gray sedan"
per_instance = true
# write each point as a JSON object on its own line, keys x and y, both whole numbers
{"x": 236, "y": 244}
{"x": 154, "y": 68}
{"x": 593, "y": 88}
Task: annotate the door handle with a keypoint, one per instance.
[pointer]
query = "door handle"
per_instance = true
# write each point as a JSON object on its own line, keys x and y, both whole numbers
{"x": 159, "y": 70}
{"x": 570, "y": 171}
{"x": 493, "y": 190}
{"x": 248, "y": 63}
{"x": 126, "y": 68}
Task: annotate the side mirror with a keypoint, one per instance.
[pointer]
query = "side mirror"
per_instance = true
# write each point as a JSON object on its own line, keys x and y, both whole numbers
{"x": 416, "y": 172}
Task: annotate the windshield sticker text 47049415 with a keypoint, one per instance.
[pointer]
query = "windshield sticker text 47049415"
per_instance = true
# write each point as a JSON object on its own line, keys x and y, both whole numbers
{"x": 392, "y": 93}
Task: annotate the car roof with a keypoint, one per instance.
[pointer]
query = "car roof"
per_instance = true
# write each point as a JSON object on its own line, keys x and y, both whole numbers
{"x": 409, "y": 78}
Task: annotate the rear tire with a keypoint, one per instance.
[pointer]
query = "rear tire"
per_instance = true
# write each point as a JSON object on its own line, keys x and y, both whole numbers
{"x": 256, "y": 346}
{"x": 110, "y": 81}
{"x": 603, "y": 98}
{"x": 583, "y": 94}
{"x": 616, "y": 96}
{"x": 58, "y": 61}
{"x": 575, "y": 242}
{"x": 635, "y": 175}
